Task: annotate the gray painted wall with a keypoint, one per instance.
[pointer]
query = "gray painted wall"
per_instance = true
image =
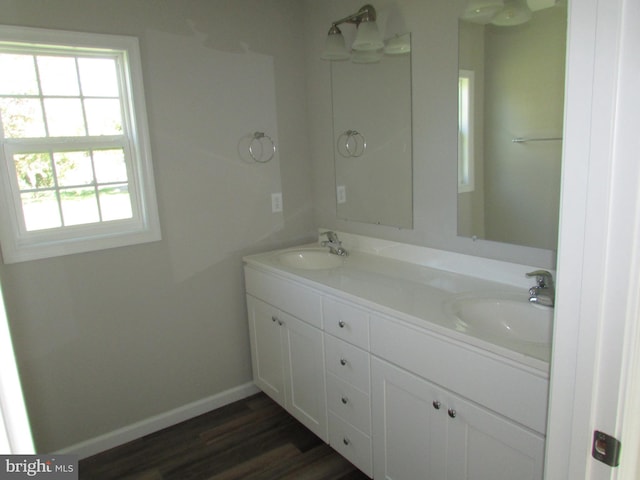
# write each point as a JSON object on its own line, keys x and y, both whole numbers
{"x": 110, "y": 338}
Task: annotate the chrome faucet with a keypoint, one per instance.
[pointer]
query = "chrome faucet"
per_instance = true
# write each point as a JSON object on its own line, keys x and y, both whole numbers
{"x": 334, "y": 244}
{"x": 543, "y": 292}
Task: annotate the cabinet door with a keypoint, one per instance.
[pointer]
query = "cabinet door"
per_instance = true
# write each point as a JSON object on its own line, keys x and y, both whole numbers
{"x": 266, "y": 348}
{"x": 484, "y": 446}
{"x": 409, "y": 426}
{"x": 304, "y": 374}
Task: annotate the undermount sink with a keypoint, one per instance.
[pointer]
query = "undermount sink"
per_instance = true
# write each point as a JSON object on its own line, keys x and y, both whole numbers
{"x": 507, "y": 317}
{"x": 310, "y": 259}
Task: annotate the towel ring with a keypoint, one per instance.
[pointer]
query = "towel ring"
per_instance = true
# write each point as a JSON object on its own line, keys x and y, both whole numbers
{"x": 265, "y": 145}
{"x": 351, "y": 144}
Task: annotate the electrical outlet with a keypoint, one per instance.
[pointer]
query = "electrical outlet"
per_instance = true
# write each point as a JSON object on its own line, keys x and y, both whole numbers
{"x": 341, "y": 194}
{"x": 276, "y": 202}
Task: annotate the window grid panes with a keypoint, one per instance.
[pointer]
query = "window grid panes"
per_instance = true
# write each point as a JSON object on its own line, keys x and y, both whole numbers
{"x": 66, "y": 188}
{"x": 73, "y": 97}
{"x": 75, "y": 164}
{"x": 60, "y": 96}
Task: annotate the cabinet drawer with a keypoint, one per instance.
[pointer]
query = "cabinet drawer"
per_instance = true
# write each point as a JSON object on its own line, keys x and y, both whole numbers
{"x": 347, "y": 362}
{"x": 500, "y": 386}
{"x": 347, "y": 322}
{"x": 349, "y": 403}
{"x": 351, "y": 443}
{"x": 301, "y": 302}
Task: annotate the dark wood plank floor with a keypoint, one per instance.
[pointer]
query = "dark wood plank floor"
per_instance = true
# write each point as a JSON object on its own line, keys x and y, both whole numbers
{"x": 252, "y": 439}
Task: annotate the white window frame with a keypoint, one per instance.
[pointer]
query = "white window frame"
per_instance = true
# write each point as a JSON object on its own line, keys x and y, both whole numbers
{"x": 466, "y": 159}
{"x": 18, "y": 244}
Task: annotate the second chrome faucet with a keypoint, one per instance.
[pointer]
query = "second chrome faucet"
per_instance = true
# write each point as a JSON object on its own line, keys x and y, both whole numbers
{"x": 543, "y": 292}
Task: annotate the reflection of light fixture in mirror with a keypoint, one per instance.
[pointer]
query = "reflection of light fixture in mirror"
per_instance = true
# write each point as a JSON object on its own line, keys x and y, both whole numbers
{"x": 398, "y": 45}
{"x": 515, "y": 12}
{"x": 367, "y": 39}
{"x": 482, "y": 11}
{"x": 503, "y": 13}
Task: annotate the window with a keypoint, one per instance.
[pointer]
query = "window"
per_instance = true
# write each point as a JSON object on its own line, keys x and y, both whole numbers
{"x": 465, "y": 131}
{"x": 75, "y": 163}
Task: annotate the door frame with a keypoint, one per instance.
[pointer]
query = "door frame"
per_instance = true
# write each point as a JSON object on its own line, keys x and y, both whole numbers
{"x": 596, "y": 338}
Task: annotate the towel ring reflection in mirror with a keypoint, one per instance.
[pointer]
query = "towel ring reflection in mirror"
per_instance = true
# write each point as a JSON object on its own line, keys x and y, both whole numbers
{"x": 351, "y": 144}
{"x": 262, "y": 148}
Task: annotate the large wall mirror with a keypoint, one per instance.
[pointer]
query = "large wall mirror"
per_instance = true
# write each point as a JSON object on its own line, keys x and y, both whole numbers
{"x": 372, "y": 140}
{"x": 511, "y": 97}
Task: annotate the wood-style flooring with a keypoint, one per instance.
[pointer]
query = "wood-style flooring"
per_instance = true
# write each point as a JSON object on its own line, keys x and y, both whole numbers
{"x": 252, "y": 439}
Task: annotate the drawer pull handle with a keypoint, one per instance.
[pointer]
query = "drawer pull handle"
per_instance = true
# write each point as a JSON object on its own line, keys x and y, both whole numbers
{"x": 346, "y": 441}
{"x": 344, "y": 400}
{"x": 343, "y": 362}
{"x": 341, "y": 324}
{"x": 452, "y": 413}
{"x": 436, "y": 404}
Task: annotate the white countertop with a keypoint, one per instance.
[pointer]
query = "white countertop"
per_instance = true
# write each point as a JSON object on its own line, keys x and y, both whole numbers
{"x": 415, "y": 292}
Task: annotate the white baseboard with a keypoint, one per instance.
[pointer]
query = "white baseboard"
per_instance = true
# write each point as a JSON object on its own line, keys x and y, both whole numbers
{"x": 158, "y": 422}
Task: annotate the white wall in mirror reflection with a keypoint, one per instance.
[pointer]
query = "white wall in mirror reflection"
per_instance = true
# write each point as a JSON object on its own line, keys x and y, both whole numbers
{"x": 519, "y": 74}
{"x": 372, "y": 140}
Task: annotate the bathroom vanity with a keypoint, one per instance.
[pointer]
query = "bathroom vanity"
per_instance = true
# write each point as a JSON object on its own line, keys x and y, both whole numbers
{"x": 408, "y": 361}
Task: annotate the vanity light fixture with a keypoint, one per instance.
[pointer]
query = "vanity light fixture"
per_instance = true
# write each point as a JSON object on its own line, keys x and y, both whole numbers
{"x": 368, "y": 37}
{"x": 334, "y": 47}
{"x": 361, "y": 56}
{"x": 367, "y": 46}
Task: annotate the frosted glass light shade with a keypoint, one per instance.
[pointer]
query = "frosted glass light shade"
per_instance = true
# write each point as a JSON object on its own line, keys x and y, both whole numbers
{"x": 334, "y": 48}
{"x": 398, "y": 45}
{"x": 515, "y": 12}
{"x": 482, "y": 11}
{"x": 366, "y": 56}
{"x": 368, "y": 37}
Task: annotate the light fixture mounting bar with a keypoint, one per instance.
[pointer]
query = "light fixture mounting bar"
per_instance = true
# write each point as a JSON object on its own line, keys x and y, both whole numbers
{"x": 366, "y": 14}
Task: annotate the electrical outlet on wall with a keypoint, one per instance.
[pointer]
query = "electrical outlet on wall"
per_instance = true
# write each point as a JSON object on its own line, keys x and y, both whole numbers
{"x": 341, "y": 194}
{"x": 276, "y": 202}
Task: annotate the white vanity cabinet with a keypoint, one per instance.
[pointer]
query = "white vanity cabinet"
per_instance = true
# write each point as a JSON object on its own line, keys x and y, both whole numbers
{"x": 422, "y": 429}
{"x": 387, "y": 389}
{"x": 347, "y": 364}
{"x": 266, "y": 348}
{"x": 287, "y": 353}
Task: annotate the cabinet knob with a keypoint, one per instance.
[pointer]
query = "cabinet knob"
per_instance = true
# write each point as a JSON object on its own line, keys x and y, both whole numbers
{"x": 341, "y": 324}
{"x": 343, "y": 362}
{"x": 452, "y": 413}
{"x": 274, "y": 318}
{"x": 344, "y": 400}
{"x": 436, "y": 404}
{"x": 280, "y": 322}
{"x": 346, "y": 441}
